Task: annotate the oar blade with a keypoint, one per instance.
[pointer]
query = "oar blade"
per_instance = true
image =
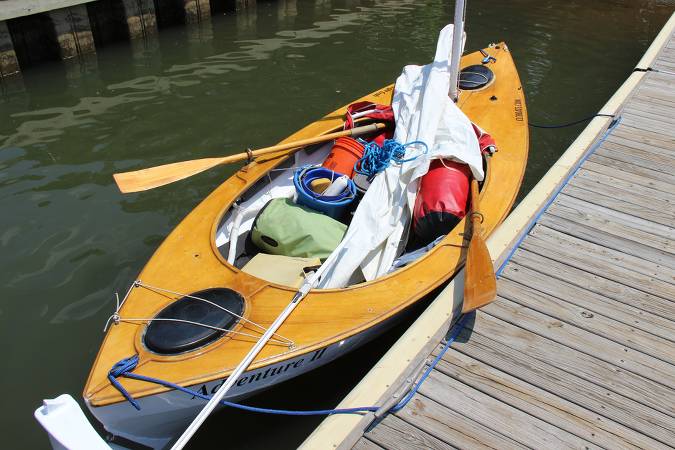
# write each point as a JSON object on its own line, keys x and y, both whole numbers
{"x": 480, "y": 284}
{"x": 152, "y": 177}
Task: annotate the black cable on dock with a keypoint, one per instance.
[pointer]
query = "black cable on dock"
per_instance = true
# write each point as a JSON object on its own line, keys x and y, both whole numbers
{"x": 576, "y": 122}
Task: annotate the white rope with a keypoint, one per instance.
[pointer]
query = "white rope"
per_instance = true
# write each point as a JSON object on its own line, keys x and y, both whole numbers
{"x": 168, "y": 319}
{"x": 116, "y": 318}
{"x": 154, "y": 288}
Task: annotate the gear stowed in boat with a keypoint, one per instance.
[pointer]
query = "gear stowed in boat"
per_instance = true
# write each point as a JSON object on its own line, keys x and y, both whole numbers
{"x": 210, "y": 255}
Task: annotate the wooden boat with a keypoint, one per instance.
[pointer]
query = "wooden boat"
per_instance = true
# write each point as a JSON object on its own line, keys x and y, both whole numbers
{"x": 328, "y": 323}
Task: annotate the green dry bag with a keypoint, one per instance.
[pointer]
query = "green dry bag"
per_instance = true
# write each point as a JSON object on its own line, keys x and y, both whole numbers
{"x": 284, "y": 228}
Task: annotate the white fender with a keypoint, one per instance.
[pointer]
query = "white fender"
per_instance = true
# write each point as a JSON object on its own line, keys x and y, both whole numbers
{"x": 67, "y": 426}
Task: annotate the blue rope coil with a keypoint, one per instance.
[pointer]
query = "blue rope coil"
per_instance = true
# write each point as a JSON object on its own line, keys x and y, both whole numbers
{"x": 125, "y": 367}
{"x": 376, "y": 159}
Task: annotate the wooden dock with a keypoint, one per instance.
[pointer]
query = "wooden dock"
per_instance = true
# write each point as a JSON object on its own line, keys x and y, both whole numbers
{"x": 579, "y": 348}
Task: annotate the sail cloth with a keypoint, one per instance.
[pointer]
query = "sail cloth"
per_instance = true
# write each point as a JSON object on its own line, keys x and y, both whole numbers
{"x": 423, "y": 112}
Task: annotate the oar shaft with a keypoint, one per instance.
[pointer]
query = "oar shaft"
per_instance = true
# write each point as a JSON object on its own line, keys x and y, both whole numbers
{"x": 475, "y": 207}
{"x": 358, "y": 131}
{"x": 243, "y": 365}
{"x": 250, "y": 356}
{"x": 152, "y": 177}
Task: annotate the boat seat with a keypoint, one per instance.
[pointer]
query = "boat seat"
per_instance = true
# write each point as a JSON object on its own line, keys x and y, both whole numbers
{"x": 284, "y": 270}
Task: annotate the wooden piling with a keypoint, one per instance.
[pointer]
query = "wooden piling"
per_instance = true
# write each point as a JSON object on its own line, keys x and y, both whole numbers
{"x": 9, "y": 64}
{"x": 141, "y": 18}
{"x": 73, "y": 31}
{"x": 197, "y": 11}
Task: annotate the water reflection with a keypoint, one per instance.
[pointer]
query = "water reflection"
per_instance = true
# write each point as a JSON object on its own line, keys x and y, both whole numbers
{"x": 47, "y": 124}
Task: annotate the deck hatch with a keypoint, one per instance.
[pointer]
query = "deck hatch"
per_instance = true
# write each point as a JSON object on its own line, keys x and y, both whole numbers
{"x": 167, "y": 334}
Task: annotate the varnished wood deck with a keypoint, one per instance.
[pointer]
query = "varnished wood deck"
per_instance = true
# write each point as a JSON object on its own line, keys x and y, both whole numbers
{"x": 579, "y": 349}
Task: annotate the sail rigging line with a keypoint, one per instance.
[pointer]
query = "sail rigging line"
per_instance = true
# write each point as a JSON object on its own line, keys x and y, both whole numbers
{"x": 116, "y": 318}
{"x": 168, "y": 291}
{"x": 191, "y": 322}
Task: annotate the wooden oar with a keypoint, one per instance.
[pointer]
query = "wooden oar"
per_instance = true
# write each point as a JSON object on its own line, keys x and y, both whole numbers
{"x": 480, "y": 284}
{"x": 144, "y": 179}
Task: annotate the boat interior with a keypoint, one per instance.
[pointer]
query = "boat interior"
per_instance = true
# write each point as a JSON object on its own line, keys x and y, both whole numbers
{"x": 233, "y": 233}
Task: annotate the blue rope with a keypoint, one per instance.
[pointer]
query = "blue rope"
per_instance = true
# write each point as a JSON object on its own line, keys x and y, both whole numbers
{"x": 556, "y": 192}
{"x": 122, "y": 368}
{"x": 459, "y": 326}
{"x": 125, "y": 367}
{"x": 376, "y": 159}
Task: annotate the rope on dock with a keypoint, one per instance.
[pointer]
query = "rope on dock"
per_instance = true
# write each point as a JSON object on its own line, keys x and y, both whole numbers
{"x": 555, "y": 193}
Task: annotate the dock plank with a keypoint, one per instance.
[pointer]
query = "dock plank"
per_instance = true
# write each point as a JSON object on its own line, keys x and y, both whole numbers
{"x": 587, "y": 256}
{"x": 584, "y": 341}
{"x": 603, "y": 236}
{"x": 619, "y": 171}
{"x": 450, "y": 426}
{"x": 601, "y": 195}
{"x": 586, "y": 319}
{"x": 651, "y": 111}
{"x": 657, "y": 161}
{"x": 631, "y": 158}
{"x": 598, "y": 395}
{"x": 396, "y": 434}
{"x": 597, "y": 284}
{"x": 649, "y": 143}
{"x": 625, "y": 265}
{"x": 646, "y": 172}
{"x": 514, "y": 423}
{"x": 626, "y": 313}
{"x": 564, "y": 367}
{"x": 611, "y": 183}
{"x": 572, "y": 209}
{"x": 532, "y": 399}
{"x": 652, "y": 97}
{"x": 649, "y": 126}
{"x": 365, "y": 444}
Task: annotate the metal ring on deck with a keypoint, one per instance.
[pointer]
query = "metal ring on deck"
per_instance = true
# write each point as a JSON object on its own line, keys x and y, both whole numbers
{"x": 476, "y": 213}
{"x": 249, "y": 156}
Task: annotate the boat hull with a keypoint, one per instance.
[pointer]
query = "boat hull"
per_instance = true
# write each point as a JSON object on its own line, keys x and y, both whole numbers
{"x": 164, "y": 416}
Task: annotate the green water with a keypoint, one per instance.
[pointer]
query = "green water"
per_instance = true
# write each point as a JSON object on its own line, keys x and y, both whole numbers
{"x": 69, "y": 240}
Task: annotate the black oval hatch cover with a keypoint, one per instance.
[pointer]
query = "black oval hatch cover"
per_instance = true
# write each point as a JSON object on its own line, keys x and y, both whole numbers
{"x": 170, "y": 337}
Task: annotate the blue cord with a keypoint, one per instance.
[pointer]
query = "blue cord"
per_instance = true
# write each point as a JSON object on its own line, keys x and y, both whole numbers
{"x": 459, "y": 326}
{"x": 375, "y": 159}
{"x": 125, "y": 367}
{"x": 556, "y": 192}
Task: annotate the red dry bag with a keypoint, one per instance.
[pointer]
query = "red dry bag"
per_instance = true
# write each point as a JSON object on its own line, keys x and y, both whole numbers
{"x": 441, "y": 200}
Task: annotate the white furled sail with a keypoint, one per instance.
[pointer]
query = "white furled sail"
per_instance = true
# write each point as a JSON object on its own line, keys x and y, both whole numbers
{"x": 423, "y": 112}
